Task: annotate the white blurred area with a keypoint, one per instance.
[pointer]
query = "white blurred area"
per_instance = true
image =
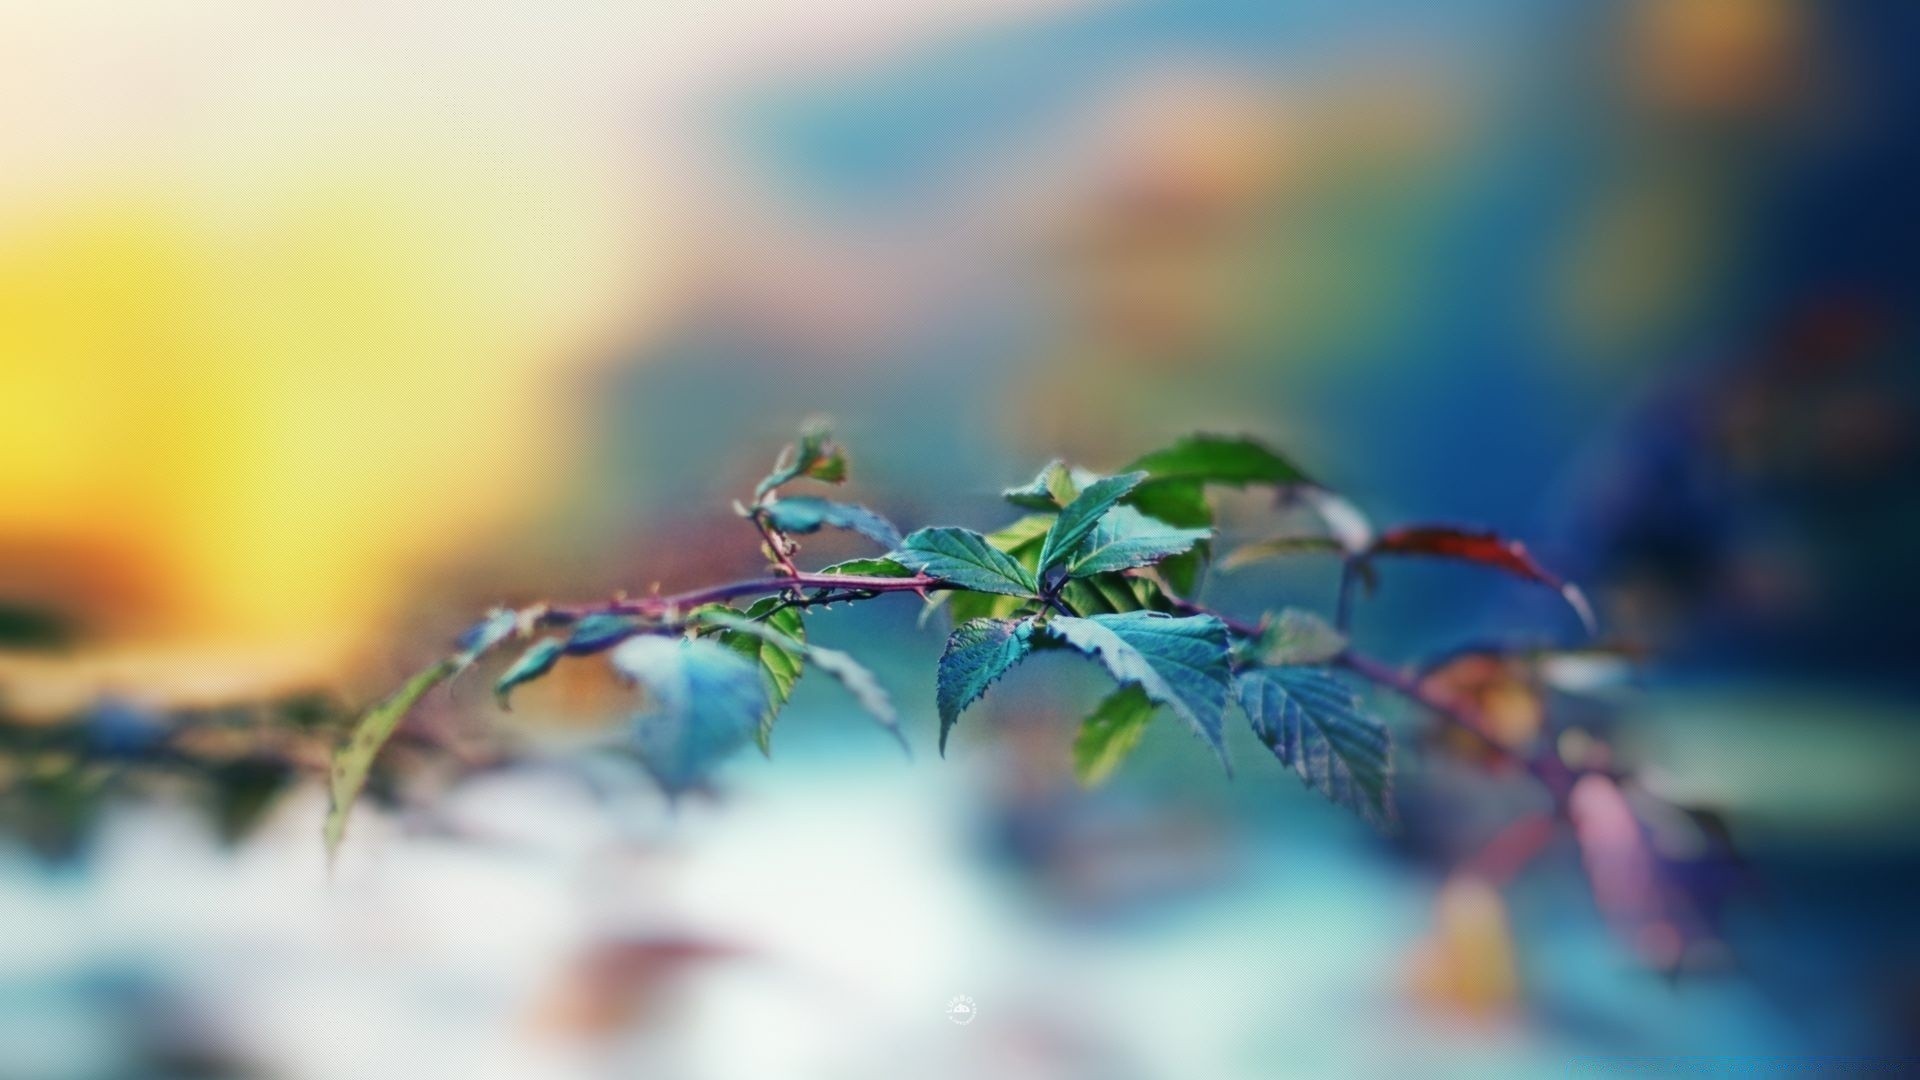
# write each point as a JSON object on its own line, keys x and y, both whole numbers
{"x": 816, "y": 925}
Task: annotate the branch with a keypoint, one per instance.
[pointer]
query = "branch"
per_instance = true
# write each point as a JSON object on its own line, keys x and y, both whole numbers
{"x": 670, "y": 607}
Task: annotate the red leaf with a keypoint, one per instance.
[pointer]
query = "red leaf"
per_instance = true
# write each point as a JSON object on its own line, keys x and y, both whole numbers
{"x": 1486, "y": 549}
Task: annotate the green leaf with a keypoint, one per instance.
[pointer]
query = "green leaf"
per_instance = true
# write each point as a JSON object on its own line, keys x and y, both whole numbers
{"x": 965, "y": 558}
{"x": 830, "y": 467}
{"x": 1081, "y": 515}
{"x": 779, "y": 662}
{"x": 1313, "y": 723}
{"x": 1180, "y": 663}
{"x": 704, "y": 702}
{"x": 347, "y": 775}
{"x": 600, "y": 631}
{"x": 1112, "y": 594}
{"x": 1109, "y": 734}
{"x": 1126, "y": 538}
{"x": 1055, "y": 486}
{"x": 968, "y": 606}
{"x": 532, "y": 664}
{"x": 844, "y": 669}
{"x": 977, "y": 654}
{"x": 1221, "y": 459}
{"x": 1023, "y": 538}
{"x": 815, "y": 456}
{"x": 1175, "y": 489}
{"x": 803, "y": 514}
{"x": 867, "y": 568}
{"x": 1299, "y": 637}
{"x": 1182, "y": 504}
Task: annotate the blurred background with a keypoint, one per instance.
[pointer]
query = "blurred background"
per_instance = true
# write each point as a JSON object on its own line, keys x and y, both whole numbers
{"x": 324, "y": 327}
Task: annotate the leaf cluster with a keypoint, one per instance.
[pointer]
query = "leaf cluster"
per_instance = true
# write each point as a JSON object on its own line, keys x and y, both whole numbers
{"x": 1098, "y": 566}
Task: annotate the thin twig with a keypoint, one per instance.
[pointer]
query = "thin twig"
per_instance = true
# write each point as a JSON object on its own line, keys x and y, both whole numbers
{"x": 669, "y": 607}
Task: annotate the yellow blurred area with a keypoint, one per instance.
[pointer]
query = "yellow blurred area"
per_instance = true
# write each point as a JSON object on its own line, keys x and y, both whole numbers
{"x": 1466, "y": 966}
{"x": 267, "y": 351}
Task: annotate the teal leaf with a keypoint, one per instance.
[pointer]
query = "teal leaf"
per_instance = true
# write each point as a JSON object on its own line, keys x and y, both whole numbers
{"x": 1180, "y": 663}
{"x": 1312, "y": 722}
{"x": 964, "y": 558}
{"x": 703, "y": 703}
{"x": 844, "y": 669}
{"x": 977, "y": 654}
{"x": 600, "y": 631}
{"x": 532, "y": 664}
{"x": 1299, "y": 637}
{"x": 1109, "y": 734}
{"x": 804, "y": 514}
{"x": 1081, "y": 515}
{"x": 1221, "y": 459}
{"x": 1126, "y": 538}
{"x": 1021, "y": 540}
{"x": 779, "y": 661}
{"x": 352, "y": 760}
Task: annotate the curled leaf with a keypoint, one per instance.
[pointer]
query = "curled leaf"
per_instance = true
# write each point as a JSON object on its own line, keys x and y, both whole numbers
{"x": 804, "y": 514}
{"x": 536, "y": 661}
{"x": 1484, "y": 549}
{"x": 815, "y": 456}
